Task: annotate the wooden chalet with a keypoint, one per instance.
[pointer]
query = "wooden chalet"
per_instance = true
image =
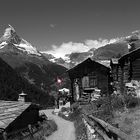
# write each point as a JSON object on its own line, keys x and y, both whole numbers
{"x": 16, "y": 116}
{"x": 87, "y": 77}
{"x": 129, "y": 69}
{"x": 114, "y": 68}
{"x": 114, "y": 72}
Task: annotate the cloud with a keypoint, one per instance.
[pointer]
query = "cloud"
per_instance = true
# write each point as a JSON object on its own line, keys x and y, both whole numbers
{"x": 52, "y": 25}
{"x": 69, "y": 47}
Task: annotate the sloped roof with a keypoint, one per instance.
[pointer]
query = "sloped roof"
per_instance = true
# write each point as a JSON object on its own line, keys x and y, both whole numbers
{"x": 131, "y": 54}
{"x": 114, "y": 60}
{"x": 64, "y": 89}
{"x": 78, "y": 70}
{"x": 106, "y": 63}
{"x": 10, "y": 110}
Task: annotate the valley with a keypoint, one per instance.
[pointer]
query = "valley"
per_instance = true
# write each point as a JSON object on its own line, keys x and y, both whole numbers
{"x": 25, "y": 69}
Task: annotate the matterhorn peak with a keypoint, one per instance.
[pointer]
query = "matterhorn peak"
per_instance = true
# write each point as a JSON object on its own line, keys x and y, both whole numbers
{"x": 8, "y": 32}
{"x": 11, "y": 38}
{"x": 12, "y": 28}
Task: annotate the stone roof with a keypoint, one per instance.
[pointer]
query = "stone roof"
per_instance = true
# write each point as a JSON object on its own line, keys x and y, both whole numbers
{"x": 10, "y": 110}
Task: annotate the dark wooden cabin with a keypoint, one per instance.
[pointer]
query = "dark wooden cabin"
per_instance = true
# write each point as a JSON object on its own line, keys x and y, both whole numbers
{"x": 114, "y": 64}
{"x": 15, "y": 116}
{"x": 88, "y": 76}
{"x": 129, "y": 68}
{"x": 114, "y": 68}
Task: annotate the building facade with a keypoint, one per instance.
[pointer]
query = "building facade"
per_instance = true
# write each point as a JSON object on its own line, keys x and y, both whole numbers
{"x": 87, "y": 78}
{"x": 129, "y": 70}
{"x": 16, "y": 115}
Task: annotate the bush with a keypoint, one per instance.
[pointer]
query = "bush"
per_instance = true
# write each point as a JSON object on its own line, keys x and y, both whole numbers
{"x": 60, "y": 114}
{"x": 101, "y": 101}
{"x": 131, "y": 101}
{"x": 48, "y": 127}
{"x": 75, "y": 106}
{"x": 64, "y": 109}
{"x": 51, "y": 125}
{"x": 78, "y": 123}
{"x": 80, "y": 129}
{"x": 117, "y": 102}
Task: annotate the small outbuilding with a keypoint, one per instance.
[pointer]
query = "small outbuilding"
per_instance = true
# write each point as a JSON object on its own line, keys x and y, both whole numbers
{"x": 16, "y": 116}
{"x": 129, "y": 70}
{"x": 88, "y": 77}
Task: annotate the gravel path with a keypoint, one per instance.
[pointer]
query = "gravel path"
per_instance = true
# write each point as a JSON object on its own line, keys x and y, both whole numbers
{"x": 66, "y": 130}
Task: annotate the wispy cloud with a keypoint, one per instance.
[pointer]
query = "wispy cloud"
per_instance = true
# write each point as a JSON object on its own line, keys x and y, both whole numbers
{"x": 69, "y": 47}
{"x": 52, "y": 25}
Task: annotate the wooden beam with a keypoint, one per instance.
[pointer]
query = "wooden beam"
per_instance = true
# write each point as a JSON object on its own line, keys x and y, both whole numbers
{"x": 113, "y": 129}
{"x": 96, "y": 128}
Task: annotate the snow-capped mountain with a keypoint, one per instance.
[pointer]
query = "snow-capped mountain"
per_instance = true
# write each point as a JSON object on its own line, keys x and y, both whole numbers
{"x": 112, "y": 50}
{"x": 27, "y": 60}
{"x": 10, "y": 37}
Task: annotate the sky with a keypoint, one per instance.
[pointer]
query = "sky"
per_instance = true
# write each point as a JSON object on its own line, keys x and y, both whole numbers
{"x": 64, "y": 26}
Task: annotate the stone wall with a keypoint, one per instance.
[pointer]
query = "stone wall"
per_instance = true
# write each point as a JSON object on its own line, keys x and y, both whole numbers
{"x": 91, "y": 134}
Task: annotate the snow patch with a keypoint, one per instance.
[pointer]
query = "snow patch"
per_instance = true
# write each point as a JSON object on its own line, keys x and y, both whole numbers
{"x": 52, "y": 60}
{"x": 25, "y": 46}
{"x": 2, "y": 45}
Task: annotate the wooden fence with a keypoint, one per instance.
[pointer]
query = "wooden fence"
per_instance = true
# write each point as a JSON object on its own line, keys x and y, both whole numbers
{"x": 105, "y": 130}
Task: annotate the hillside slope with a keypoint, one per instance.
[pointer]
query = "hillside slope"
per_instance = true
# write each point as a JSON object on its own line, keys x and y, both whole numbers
{"x": 12, "y": 84}
{"x": 28, "y": 61}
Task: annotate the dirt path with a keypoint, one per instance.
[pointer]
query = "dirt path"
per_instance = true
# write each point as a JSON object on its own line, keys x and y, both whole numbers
{"x": 66, "y": 130}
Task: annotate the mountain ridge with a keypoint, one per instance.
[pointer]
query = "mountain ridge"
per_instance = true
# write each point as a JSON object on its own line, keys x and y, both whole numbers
{"x": 12, "y": 84}
{"x": 28, "y": 61}
{"x": 111, "y": 50}
{"x": 10, "y": 37}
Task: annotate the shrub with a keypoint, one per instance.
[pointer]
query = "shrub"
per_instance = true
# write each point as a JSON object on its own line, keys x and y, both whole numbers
{"x": 75, "y": 106}
{"x": 51, "y": 125}
{"x": 79, "y": 124}
{"x": 80, "y": 129}
{"x": 117, "y": 102}
{"x": 131, "y": 101}
{"x": 60, "y": 114}
{"x": 64, "y": 109}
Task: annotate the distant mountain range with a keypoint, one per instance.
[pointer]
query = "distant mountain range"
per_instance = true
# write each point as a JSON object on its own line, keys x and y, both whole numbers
{"x": 28, "y": 61}
{"x": 113, "y": 50}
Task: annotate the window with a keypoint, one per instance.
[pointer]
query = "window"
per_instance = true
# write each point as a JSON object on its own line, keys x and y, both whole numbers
{"x": 92, "y": 79}
{"x": 85, "y": 81}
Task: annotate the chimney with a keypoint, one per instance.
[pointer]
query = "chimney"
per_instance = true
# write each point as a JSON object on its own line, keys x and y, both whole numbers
{"x": 22, "y": 96}
{"x": 131, "y": 47}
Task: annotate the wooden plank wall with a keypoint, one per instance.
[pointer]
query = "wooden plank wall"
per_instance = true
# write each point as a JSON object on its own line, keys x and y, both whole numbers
{"x": 126, "y": 73}
{"x": 120, "y": 79}
{"x": 136, "y": 69}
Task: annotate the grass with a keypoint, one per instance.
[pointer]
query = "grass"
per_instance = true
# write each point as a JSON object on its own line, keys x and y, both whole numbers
{"x": 103, "y": 110}
{"x": 129, "y": 121}
{"x": 47, "y": 128}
